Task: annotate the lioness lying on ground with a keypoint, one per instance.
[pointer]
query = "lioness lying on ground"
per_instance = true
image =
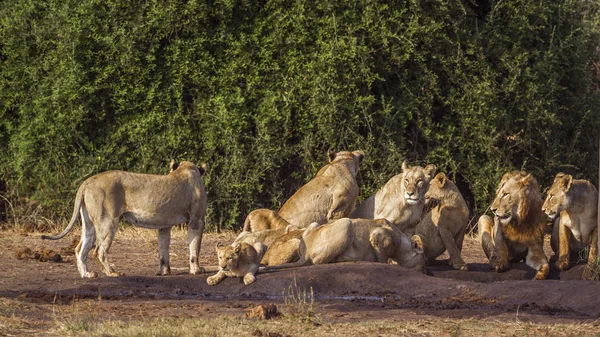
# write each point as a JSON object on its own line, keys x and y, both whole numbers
{"x": 443, "y": 228}
{"x": 145, "y": 200}
{"x": 517, "y": 230}
{"x": 346, "y": 240}
{"x": 574, "y": 203}
{"x": 236, "y": 260}
{"x": 330, "y": 195}
{"x": 401, "y": 200}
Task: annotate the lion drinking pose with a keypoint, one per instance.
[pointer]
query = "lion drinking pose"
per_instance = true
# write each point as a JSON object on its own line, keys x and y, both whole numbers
{"x": 401, "y": 199}
{"x": 517, "y": 230}
{"x": 330, "y": 195}
{"x": 346, "y": 240}
{"x": 145, "y": 200}
{"x": 443, "y": 228}
{"x": 236, "y": 260}
{"x": 575, "y": 204}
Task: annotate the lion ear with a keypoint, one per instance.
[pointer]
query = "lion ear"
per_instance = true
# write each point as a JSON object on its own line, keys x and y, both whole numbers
{"x": 566, "y": 182}
{"x": 417, "y": 244}
{"x": 202, "y": 168}
{"x": 430, "y": 171}
{"x": 173, "y": 165}
{"x": 331, "y": 154}
{"x": 218, "y": 246}
{"x": 360, "y": 155}
{"x": 405, "y": 166}
{"x": 441, "y": 179}
{"x": 236, "y": 247}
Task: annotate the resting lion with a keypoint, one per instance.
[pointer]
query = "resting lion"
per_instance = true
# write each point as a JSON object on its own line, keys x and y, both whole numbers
{"x": 261, "y": 240}
{"x": 284, "y": 249}
{"x": 517, "y": 230}
{"x": 401, "y": 199}
{"x": 443, "y": 227}
{"x": 330, "y": 195}
{"x": 575, "y": 204}
{"x": 150, "y": 201}
{"x": 346, "y": 240}
{"x": 236, "y": 260}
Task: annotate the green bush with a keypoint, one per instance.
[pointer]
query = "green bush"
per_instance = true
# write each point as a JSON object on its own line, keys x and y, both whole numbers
{"x": 261, "y": 90}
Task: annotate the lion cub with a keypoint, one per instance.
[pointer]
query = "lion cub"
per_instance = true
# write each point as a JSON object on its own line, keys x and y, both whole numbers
{"x": 443, "y": 227}
{"x": 236, "y": 260}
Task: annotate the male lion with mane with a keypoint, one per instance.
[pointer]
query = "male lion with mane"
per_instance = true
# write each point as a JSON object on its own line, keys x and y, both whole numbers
{"x": 517, "y": 230}
{"x": 574, "y": 203}
{"x": 401, "y": 200}
{"x": 145, "y": 200}
{"x": 330, "y": 195}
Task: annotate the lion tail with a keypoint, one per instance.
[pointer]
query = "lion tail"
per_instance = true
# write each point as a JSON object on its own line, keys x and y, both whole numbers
{"x": 74, "y": 217}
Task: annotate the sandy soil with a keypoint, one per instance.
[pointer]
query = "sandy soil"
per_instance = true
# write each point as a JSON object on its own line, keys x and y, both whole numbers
{"x": 346, "y": 291}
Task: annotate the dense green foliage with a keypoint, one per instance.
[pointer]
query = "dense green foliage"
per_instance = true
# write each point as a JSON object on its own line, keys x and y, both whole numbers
{"x": 261, "y": 90}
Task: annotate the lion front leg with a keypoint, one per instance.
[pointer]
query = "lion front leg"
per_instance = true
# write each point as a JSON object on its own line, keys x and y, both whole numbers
{"x": 537, "y": 260}
{"x": 564, "y": 253}
{"x": 249, "y": 276}
{"x": 216, "y": 278}
{"x": 456, "y": 260}
{"x": 493, "y": 243}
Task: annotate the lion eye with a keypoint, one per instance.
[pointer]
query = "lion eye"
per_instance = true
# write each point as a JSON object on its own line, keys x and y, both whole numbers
{"x": 504, "y": 195}
{"x": 551, "y": 196}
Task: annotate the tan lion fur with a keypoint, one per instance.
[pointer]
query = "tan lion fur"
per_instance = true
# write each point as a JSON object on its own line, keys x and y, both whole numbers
{"x": 146, "y": 200}
{"x": 517, "y": 230}
{"x": 236, "y": 260}
{"x": 261, "y": 240}
{"x": 284, "y": 250}
{"x": 401, "y": 199}
{"x": 330, "y": 195}
{"x": 443, "y": 227}
{"x": 574, "y": 204}
{"x": 346, "y": 240}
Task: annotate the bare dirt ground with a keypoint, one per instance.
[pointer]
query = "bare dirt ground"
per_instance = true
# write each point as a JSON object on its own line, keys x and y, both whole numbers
{"x": 32, "y": 292}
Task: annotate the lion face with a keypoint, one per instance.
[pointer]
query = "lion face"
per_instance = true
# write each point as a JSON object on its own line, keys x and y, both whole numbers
{"x": 416, "y": 182}
{"x": 511, "y": 202}
{"x": 557, "y": 198}
{"x": 228, "y": 256}
{"x": 438, "y": 189}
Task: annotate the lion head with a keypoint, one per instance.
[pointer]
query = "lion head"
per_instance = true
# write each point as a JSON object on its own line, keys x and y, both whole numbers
{"x": 416, "y": 182}
{"x": 440, "y": 188}
{"x": 517, "y": 198}
{"x": 352, "y": 159}
{"x": 228, "y": 255}
{"x": 415, "y": 257}
{"x": 557, "y": 198}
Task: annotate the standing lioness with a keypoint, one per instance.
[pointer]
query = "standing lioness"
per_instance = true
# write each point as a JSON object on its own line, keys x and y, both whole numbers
{"x": 145, "y": 200}
{"x": 330, "y": 195}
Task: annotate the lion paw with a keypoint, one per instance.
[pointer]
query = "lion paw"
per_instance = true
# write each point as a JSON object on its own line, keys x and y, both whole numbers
{"x": 562, "y": 263}
{"x": 460, "y": 265}
{"x": 213, "y": 280}
{"x": 499, "y": 267}
{"x": 90, "y": 274}
{"x": 163, "y": 271}
{"x": 195, "y": 270}
{"x": 249, "y": 278}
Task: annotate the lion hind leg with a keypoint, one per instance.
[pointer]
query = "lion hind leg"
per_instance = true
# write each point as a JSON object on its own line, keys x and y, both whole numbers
{"x": 88, "y": 237}
{"x": 164, "y": 241}
{"x": 106, "y": 229}
{"x": 194, "y": 243}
